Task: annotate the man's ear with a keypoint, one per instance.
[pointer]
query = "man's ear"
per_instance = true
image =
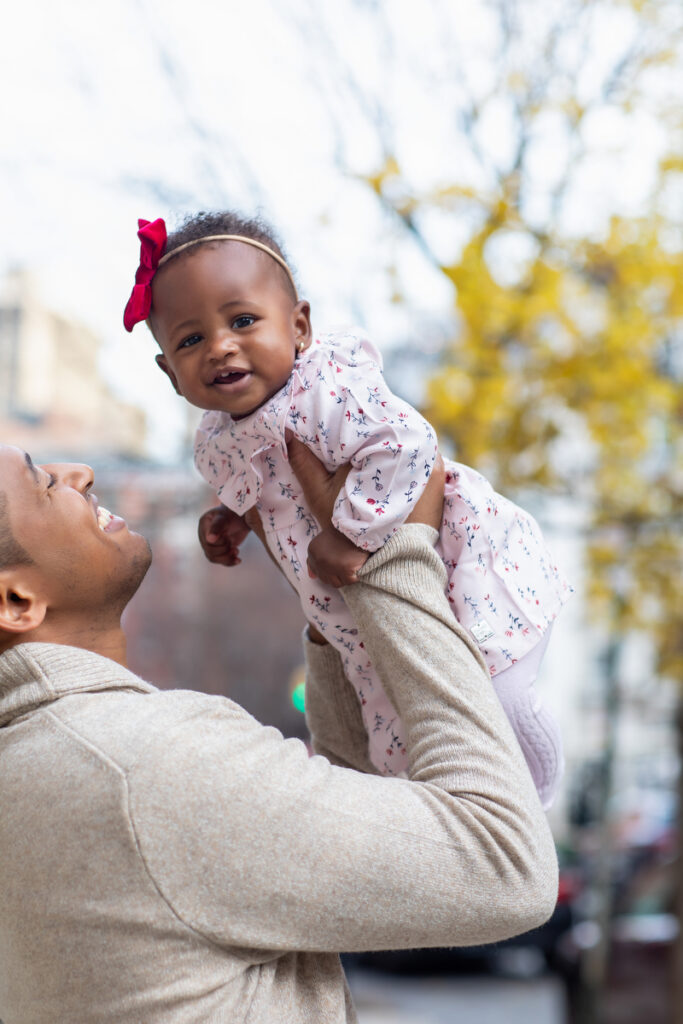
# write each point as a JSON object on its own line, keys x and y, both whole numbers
{"x": 301, "y": 318}
{"x": 21, "y": 608}
{"x": 163, "y": 365}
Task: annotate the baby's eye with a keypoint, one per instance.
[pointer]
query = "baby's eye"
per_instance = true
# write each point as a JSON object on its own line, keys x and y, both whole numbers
{"x": 190, "y": 341}
{"x": 245, "y": 320}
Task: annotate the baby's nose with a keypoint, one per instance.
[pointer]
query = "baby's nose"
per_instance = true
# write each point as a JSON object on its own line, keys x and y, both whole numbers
{"x": 223, "y": 342}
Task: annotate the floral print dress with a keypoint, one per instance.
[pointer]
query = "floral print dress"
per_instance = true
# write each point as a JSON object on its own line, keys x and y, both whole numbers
{"x": 503, "y": 585}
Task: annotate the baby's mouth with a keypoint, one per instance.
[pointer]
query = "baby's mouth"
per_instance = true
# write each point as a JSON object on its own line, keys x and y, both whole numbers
{"x": 230, "y": 378}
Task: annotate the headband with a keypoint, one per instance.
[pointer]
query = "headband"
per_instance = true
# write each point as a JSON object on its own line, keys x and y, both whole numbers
{"x": 152, "y": 235}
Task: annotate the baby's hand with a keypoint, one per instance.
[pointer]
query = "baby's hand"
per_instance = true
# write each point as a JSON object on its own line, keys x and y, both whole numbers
{"x": 220, "y": 534}
{"x": 334, "y": 559}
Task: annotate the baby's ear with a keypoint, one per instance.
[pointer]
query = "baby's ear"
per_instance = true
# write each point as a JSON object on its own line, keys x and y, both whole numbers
{"x": 163, "y": 365}
{"x": 302, "y": 323}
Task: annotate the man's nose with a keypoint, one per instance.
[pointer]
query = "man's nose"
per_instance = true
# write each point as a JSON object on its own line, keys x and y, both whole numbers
{"x": 73, "y": 474}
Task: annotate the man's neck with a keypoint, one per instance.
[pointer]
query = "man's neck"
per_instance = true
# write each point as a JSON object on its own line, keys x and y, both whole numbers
{"x": 109, "y": 643}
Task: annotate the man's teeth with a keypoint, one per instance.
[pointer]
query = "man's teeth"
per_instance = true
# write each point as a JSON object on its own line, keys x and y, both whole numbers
{"x": 104, "y": 517}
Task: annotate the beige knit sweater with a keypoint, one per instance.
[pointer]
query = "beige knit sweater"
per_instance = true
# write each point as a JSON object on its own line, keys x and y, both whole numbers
{"x": 166, "y": 859}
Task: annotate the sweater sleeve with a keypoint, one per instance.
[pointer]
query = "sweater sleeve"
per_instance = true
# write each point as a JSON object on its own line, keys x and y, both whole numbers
{"x": 345, "y": 412}
{"x": 332, "y": 710}
{"x": 254, "y": 844}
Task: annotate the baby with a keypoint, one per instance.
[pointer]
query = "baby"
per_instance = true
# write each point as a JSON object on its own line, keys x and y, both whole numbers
{"x": 236, "y": 341}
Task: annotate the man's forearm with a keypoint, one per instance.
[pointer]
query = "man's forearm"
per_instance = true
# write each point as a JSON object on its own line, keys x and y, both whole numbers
{"x": 458, "y": 738}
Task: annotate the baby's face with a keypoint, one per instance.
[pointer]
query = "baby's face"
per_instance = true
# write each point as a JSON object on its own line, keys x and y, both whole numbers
{"x": 227, "y": 325}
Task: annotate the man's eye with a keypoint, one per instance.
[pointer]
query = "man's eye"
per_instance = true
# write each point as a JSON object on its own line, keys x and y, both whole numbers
{"x": 243, "y": 321}
{"x": 193, "y": 339}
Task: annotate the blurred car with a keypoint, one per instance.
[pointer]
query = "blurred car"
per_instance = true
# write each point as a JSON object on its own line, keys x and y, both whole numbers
{"x": 643, "y": 932}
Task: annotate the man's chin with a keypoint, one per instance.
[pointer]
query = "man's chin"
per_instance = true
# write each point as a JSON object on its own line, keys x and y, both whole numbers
{"x": 142, "y": 560}
{"x": 136, "y": 572}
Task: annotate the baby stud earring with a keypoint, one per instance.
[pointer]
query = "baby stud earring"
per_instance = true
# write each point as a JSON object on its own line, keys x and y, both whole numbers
{"x": 301, "y": 346}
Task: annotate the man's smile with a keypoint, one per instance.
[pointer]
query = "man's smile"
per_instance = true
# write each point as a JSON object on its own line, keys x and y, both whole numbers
{"x": 107, "y": 521}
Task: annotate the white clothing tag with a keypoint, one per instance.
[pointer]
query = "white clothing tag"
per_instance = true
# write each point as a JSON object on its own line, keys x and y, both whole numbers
{"x": 481, "y": 631}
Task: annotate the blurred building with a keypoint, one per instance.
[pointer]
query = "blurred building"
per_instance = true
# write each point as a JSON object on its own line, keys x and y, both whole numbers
{"x": 52, "y": 396}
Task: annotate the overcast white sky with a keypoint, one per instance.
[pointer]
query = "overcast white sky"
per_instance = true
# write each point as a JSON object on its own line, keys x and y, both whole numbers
{"x": 159, "y": 107}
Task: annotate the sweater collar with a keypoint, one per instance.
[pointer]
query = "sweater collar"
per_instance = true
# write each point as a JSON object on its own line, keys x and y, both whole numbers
{"x": 36, "y": 674}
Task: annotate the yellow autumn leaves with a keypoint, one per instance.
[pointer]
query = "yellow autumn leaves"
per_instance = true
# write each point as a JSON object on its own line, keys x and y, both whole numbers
{"x": 585, "y": 344}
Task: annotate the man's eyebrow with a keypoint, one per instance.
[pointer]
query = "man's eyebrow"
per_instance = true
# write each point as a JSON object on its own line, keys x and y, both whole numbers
{"x": 29, "y": 464}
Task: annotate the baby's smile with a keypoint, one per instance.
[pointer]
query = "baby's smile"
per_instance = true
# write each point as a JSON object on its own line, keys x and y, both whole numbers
{"x": 232, "y": 381}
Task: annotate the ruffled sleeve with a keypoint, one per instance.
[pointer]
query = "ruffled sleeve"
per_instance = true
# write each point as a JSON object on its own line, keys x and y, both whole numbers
{"x": 225, "y": 451}
{"x": 344, "y": 411}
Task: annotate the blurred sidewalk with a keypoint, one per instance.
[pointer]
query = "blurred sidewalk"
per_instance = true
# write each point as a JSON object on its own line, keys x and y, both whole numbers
{"x": 383, "y": 999}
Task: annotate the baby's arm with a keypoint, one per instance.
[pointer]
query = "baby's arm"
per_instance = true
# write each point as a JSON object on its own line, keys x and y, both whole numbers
{"x": 347, "y": 414}
{"x": 221, "y": 532}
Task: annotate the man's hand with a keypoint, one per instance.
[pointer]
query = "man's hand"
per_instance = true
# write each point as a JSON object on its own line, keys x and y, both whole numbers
{"x": 429, "y": 506}
{"x": 321, "y": 488}
{"x": 221, "y": 532}
{"x": 334, "y": 559}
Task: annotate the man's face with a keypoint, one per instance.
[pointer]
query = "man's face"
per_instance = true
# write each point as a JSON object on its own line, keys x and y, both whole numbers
{"x": 85, "y": 558}
{"x": 228, "y": 326}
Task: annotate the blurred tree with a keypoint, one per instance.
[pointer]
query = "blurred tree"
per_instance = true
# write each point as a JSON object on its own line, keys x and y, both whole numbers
{"x": 559, "y": 227}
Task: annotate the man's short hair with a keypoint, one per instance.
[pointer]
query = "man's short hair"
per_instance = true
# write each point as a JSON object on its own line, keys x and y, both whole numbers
{"x": 11, "y": 552}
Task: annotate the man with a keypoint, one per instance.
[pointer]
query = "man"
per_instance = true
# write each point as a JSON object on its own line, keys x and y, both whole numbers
{"x": 166, "y": 858}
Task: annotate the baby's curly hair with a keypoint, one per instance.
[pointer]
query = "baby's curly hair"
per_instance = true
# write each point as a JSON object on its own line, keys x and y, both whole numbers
{"x": 226, "y": 222}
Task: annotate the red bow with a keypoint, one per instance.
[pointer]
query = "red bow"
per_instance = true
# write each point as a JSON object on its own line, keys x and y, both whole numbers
{"x": 152, "y": 235}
